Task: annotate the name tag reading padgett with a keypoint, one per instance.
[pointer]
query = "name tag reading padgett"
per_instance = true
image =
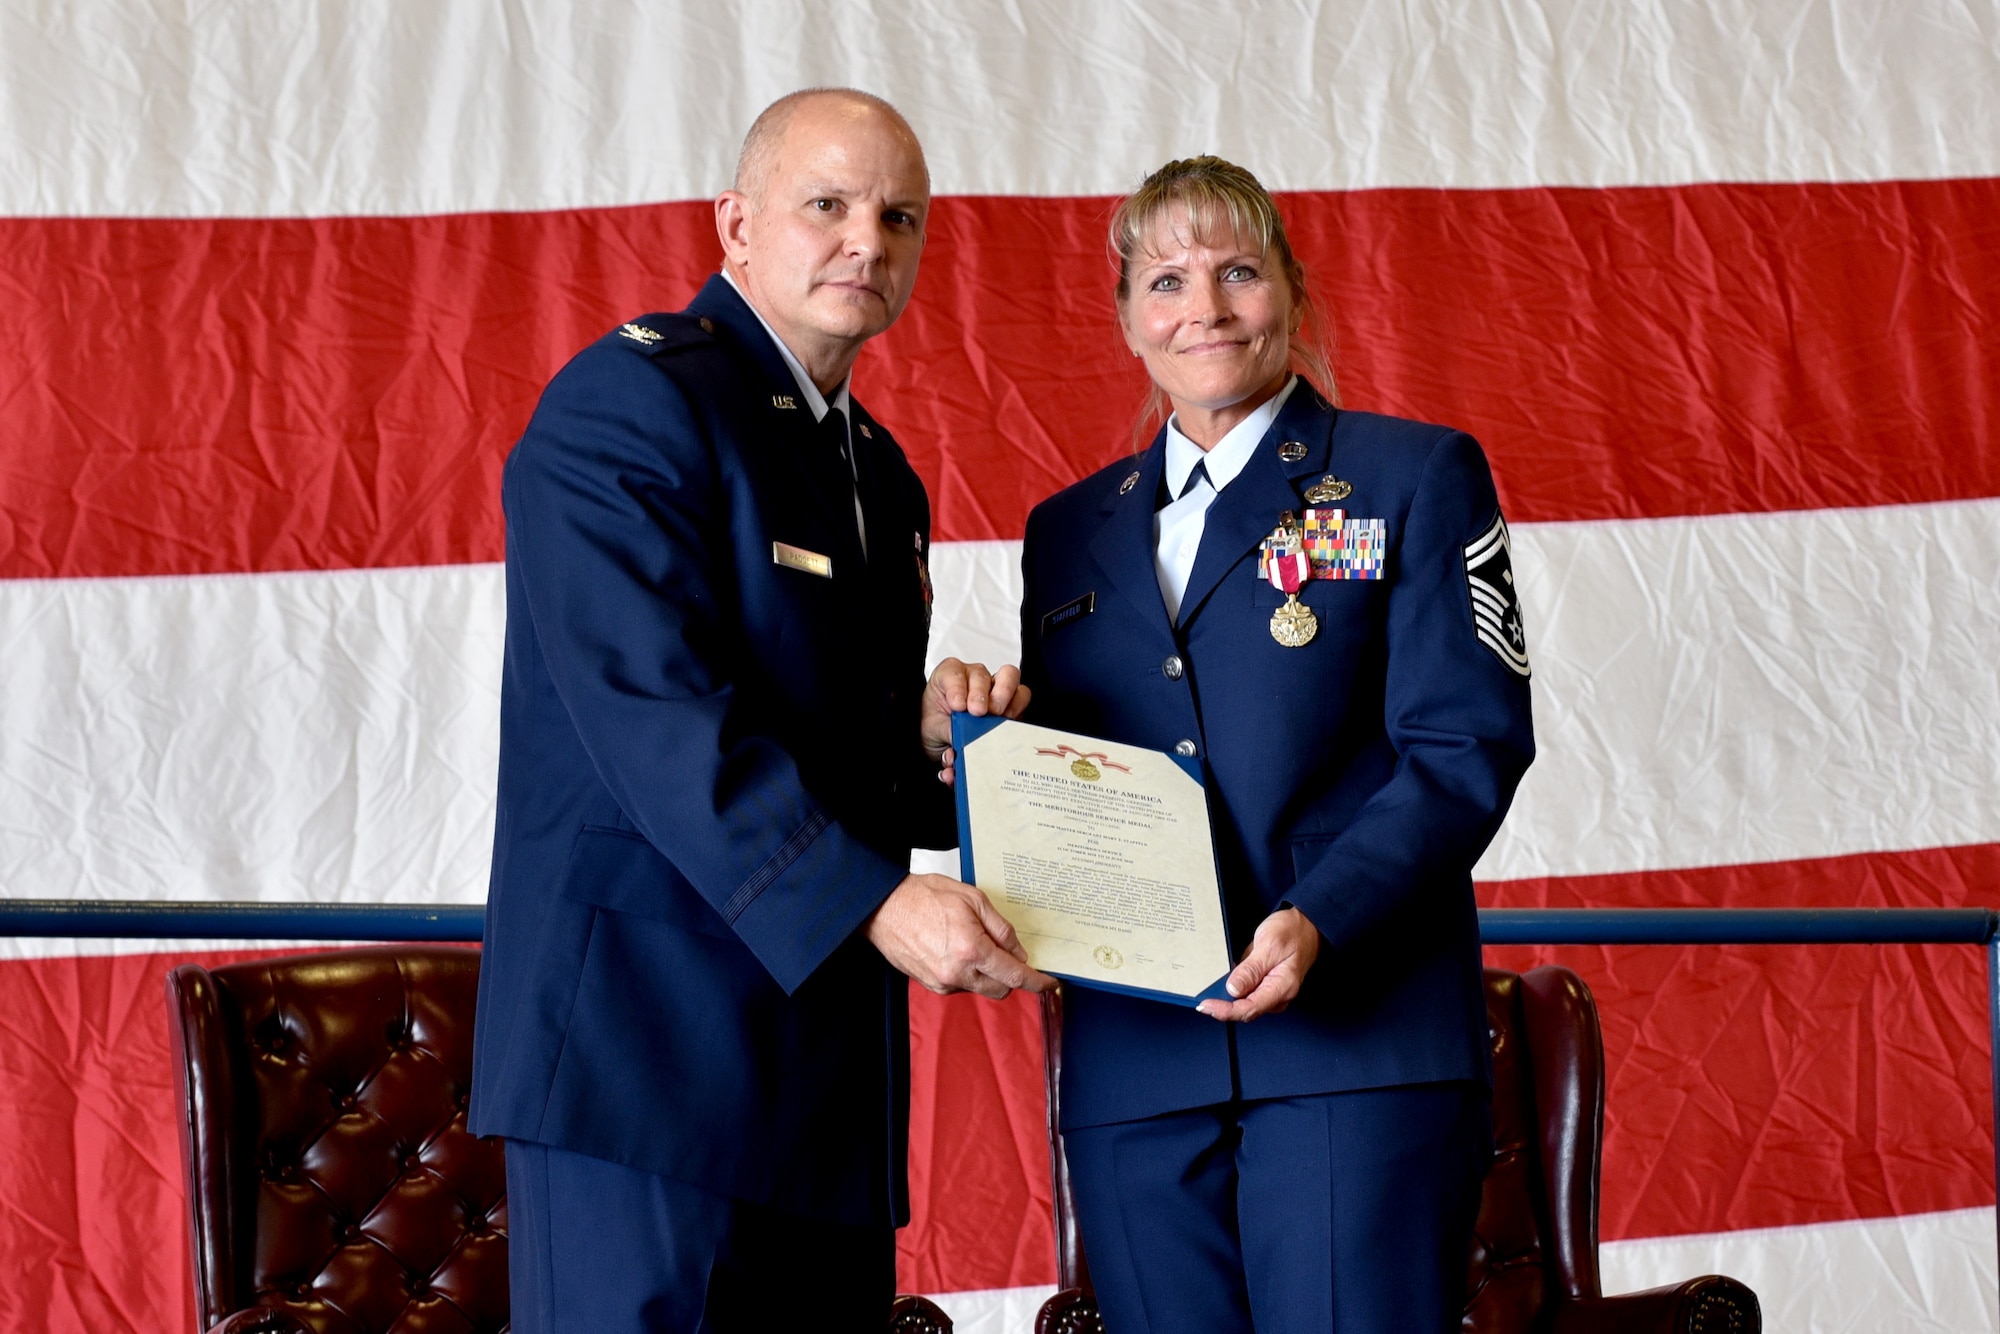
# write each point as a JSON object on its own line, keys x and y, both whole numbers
{"x": 798, "y": 558}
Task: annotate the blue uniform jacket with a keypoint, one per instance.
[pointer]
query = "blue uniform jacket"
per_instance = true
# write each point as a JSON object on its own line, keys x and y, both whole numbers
{"x": 1357, "y": 778}
{"x": 710, "y": 776}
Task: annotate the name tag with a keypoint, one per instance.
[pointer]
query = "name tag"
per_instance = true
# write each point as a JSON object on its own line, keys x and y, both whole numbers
{"x": 1069, "y": 611}
{"x": 798, "y": 558}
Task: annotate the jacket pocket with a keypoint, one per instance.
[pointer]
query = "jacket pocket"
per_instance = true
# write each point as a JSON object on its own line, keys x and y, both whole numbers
{"x": 611, "y": 868}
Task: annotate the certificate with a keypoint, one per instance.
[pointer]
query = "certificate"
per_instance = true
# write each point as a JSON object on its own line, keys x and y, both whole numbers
{"x": 1099, "y": 855}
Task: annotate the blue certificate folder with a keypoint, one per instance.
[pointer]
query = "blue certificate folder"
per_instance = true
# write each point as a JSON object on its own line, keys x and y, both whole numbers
{"x": 966, "y": 729}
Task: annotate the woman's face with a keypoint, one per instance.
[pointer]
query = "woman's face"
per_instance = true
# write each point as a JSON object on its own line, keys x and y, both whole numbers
{"x": 1212, "y": 321}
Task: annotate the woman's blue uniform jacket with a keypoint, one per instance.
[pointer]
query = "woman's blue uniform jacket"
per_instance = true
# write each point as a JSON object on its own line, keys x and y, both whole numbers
{"x": 710, "y": 776}
{"x": 1357, "y": 778}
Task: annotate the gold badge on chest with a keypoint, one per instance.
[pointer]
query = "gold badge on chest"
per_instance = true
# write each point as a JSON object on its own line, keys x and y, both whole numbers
{"x": 1327, "y": 490}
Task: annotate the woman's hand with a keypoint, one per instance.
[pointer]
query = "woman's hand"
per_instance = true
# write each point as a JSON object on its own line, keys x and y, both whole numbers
{"x": 1272, "y": 971}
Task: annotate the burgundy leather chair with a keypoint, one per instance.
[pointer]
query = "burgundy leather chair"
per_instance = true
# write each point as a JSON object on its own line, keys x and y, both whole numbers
{"x": 332, "y": 1187}
{"x": 1534, "y": 1250}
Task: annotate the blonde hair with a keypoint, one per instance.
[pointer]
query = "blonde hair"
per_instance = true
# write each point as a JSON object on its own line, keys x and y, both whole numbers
{"x": 1214, "y": 192}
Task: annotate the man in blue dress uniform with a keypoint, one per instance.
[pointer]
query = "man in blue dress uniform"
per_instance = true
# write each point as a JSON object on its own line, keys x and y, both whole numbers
{"x": 717, "y": 749}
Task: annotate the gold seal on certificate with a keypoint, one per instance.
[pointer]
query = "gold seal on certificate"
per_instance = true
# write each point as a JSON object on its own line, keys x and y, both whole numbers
{"x": 1099, "y": 854}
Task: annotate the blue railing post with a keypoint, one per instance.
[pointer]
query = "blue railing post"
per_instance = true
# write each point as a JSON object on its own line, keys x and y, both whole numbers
{"x": 1993, "y": 1031}
{"x": 104, "y": 919}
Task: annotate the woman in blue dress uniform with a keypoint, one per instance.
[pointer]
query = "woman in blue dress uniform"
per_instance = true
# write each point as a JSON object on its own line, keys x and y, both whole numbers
{"x": 1318, "y": 604}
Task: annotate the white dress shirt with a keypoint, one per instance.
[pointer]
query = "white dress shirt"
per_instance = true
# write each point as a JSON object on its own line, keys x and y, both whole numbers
{"x": 817, "y": 402}
{"x": 1177, "y": 528}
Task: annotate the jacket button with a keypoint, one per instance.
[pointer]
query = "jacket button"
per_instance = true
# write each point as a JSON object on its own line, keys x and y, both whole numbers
{"x": 1172, "y": 667}
{"x": 1184, "y": 748}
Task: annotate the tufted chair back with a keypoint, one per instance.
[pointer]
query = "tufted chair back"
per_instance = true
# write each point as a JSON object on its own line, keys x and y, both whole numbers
{"x": 332, "y": 1186}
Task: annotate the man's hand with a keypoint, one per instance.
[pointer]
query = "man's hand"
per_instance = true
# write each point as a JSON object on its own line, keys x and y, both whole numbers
{"x": 960, "y": 687}
{"x": 1272, "y": 971}
{"x": 946, "y": 935}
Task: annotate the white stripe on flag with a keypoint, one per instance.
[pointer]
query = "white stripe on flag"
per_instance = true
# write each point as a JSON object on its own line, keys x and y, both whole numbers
{"x": 1919, "y": 1274}
{"x": 329, "y": 737}
{"x": 455, "y": 106}
{"x": 1708, "y": 692}
{"x": 994, "y": 1310}
{"x": 1713, "y": 691}
{"x": 1763, "y": 687}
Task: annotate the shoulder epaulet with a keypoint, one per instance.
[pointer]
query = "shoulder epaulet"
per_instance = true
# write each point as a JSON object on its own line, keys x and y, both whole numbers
{"x": 654, "y": 334}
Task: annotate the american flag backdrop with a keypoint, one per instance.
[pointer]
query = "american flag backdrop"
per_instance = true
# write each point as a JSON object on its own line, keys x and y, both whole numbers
{"x": 1717, "y": 285}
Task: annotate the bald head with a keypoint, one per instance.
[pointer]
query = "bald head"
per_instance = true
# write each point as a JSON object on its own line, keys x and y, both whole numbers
{"x": 823, "y": 108}
{"x": 823, "y": 229}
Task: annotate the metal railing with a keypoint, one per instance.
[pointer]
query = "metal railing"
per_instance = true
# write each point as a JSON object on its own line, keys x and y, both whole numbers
{"x": 242, "y": 921}
{"x": 1497, "y": 926}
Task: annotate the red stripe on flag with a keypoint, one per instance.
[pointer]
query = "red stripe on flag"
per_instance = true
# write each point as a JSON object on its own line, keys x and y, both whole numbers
{"x": 207, "y": 396}
{"x": 1759, "y": 1086}
{"x": 979, "y": 1147}
{"x": 210, "y": 396}
{"x": 1747, "y": 1087}
{"x": 93, "y": 1228}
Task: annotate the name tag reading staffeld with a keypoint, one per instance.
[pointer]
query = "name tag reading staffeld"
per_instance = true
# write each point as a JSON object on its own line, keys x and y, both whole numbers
{"x": 798, "y": 558}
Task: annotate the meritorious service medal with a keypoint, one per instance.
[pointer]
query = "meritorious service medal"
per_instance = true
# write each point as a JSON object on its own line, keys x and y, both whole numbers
{"x": 1286, "y": 569}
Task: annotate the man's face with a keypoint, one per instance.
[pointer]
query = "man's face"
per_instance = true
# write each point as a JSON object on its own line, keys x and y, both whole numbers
{"x": 829, "y": 254}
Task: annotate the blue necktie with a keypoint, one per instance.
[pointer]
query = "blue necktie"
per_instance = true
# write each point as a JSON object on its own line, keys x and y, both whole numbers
{"x": 833, "y": 427}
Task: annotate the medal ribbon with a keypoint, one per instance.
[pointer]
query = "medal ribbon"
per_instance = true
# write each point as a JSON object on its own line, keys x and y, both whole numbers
{"x": 1097, "y": 755}
{"x": 1288, "y": 567}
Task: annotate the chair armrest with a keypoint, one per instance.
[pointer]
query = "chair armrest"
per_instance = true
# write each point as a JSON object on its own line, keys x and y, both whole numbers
{"x": 917, "y": 1315}
{"x": 1071, "y": 1311}
{"x": 259, "y": 1320}
{"x": 1710, "y": 1304}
